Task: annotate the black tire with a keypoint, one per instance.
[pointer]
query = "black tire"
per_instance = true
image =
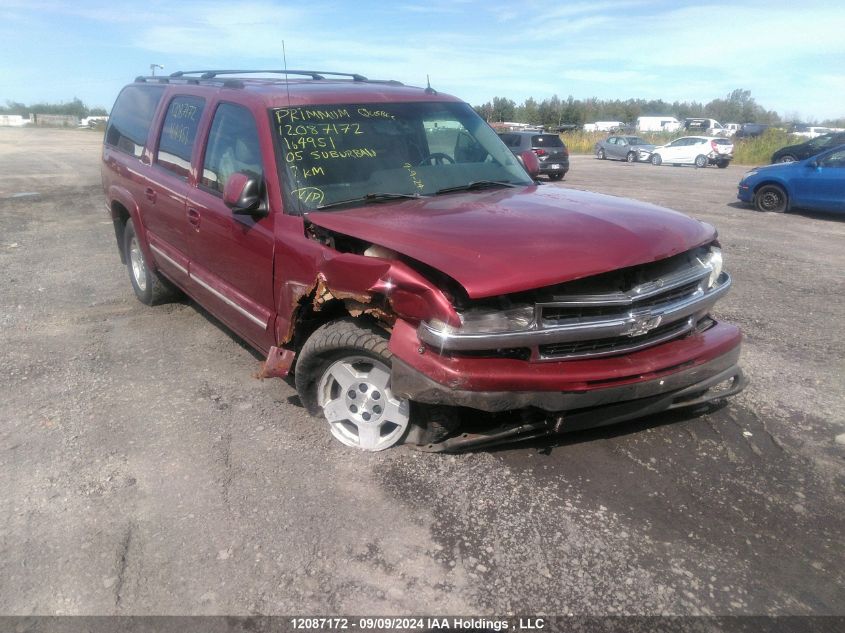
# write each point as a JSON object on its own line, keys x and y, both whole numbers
{"x": 788, "y": 158}
{"x": 656, "y": 159}
{"x": 722, "y": 164}
{"x": 631, "y": 157}
{"x": 150, "y": 287}
{"x": 558, "y": 175}
{"x": 352, "y": 338}
{"x": 771, "y": 198}
{"x": 701, "y": 161}
{"x": 600, "y": 154}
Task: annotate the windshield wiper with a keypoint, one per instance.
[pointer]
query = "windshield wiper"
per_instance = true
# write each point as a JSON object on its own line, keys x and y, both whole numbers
{"x": 370, "y": 197}
{"x": 478, "y": 184}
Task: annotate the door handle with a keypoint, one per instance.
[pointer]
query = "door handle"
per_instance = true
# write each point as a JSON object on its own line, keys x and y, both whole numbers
{"x": 194, "y": 218}
{"x": 150, "y": 193}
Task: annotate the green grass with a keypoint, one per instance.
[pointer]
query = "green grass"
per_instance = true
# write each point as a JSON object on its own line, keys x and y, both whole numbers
{"x": 751, "y": 151}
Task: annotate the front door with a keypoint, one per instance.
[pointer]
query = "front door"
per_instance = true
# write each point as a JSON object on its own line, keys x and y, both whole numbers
{"x": 232, "y": 255}
{"x": 822, "y": 186}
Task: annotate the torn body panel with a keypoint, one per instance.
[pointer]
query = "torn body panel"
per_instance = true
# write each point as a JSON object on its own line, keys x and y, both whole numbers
{"x": 315, "y": 275}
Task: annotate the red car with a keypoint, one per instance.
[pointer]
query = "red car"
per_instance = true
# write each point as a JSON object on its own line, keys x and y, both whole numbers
{"x": 382, "y": 243}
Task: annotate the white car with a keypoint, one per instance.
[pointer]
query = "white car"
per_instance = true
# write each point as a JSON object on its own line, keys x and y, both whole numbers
{"x": 695, "y": 150}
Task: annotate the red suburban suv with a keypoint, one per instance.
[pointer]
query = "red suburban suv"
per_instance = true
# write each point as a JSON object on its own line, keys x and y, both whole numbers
{"x": 380, "y": 242}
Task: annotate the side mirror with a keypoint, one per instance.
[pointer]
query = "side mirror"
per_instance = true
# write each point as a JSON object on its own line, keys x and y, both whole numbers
{"x": 244, "y": 194}
{"x": 530, "y": 161}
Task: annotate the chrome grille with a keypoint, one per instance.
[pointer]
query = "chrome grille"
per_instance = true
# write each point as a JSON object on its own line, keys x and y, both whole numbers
{"x": 570, "y": 324}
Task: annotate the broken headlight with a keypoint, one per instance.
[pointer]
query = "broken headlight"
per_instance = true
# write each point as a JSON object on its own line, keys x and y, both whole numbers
{"x": 713, "y": 260}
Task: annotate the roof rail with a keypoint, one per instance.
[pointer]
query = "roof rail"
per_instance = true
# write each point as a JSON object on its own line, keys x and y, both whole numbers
{"x": 314, "y": 74}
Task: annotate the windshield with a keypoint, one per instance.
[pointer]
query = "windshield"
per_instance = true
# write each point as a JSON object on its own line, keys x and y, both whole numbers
{"x": 334, "y": 153}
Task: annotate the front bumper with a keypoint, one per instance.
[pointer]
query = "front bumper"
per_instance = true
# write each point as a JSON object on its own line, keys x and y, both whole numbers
{"x": 745, "y": 193}
{"x": 502, "y": 384}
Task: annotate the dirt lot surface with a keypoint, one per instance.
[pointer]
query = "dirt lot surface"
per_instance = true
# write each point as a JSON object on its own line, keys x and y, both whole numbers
{"x": 144, "y": 470}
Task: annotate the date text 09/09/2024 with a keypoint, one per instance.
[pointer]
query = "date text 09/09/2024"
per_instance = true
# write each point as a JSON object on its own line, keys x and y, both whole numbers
{"x": 417, "y": 623}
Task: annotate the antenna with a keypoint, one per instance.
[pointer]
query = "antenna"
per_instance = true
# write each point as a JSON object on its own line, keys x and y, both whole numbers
{"x": 285, "y": 60}
{"x": 428, "y": 89}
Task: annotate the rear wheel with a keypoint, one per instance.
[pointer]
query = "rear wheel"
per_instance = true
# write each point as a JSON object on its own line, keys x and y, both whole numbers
{"x": 789, "y": 158}
{"x": 722, "y": 164}
{"x": 149, "y": 286}
{"x": 631, "y": 157}
{"x": 656, "y": 159}
{"x": 558, "y": 175}
{"x": 700, "y": 161}
{"x": 770, "y": 198}
{"x": 600, "y": 154}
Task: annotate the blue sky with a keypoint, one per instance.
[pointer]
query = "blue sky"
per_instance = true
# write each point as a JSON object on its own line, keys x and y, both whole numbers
{"x": 791, "y": 55}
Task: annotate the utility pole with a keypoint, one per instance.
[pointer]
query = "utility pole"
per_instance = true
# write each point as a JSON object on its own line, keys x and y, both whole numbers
{"x": 153, "y": 68}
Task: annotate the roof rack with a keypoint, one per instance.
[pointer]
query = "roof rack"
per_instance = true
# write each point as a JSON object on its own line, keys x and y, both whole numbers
{"x": 314, "y": 74}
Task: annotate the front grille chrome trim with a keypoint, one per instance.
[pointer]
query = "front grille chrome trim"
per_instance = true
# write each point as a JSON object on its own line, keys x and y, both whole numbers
{"x": 631, "y": 322}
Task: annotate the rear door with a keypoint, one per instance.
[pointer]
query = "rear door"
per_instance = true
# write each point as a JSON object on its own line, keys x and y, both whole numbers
{"x": 232, "y": 255}
{"x": 166, "y": 194}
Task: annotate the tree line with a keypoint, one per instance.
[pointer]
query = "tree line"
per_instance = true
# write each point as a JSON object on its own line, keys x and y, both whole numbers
{"x": 737, "y": 107}
{"x": 75, "y": 107}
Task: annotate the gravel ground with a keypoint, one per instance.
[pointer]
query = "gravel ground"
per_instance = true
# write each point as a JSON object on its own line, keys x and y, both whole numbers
{"x": 144, "y": 470}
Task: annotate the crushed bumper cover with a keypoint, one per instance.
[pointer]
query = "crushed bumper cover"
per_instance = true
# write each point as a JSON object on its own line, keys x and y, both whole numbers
{"x": 414, "y": 385}
{"x": 696, "y": 371}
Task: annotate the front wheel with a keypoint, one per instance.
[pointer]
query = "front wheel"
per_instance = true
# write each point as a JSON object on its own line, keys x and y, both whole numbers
{"x": 770, "y": 198}
{"x": 787, "y": 159}
{"x": 558, "y": 175}
{"x": 656, "y": 159}
{"x": 722, "y": 164}
{"x": 344, "y": 371}
{"x": 600, "y": 154}
{"x": 700, "y": 161}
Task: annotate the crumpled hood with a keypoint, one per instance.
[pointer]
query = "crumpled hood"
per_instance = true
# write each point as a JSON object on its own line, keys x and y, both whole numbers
{"x": 511, "y": 240}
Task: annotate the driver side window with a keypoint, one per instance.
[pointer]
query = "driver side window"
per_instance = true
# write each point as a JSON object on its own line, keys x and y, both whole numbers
{"x": 232, "y": 146}
{"x": 836, "y": 159}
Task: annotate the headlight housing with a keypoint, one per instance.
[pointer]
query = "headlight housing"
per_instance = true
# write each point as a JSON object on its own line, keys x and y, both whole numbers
{"x": 713, "y": 260}
{"x": 490, "y": 320}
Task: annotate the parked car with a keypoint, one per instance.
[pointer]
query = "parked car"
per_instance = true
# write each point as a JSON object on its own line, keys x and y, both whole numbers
{"x": 551, "y": 151}
{"x": 816, "y": 183}
{"x": 732, "y": 128}
{"x": 628, "y": 148}
{"x": 750, "y": 130}
{"x": 695, "y": 150}
{"x": 710, "y": 127}
{"x": 380, "y": 242}
{"x": 791, "y": 153}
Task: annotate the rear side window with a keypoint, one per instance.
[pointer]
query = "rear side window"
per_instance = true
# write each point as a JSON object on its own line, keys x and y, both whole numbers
{"x": 722, "y": 141}
{"x": 129, "y": 123}
{"x": 232, "y": 146}
{"x": 176, "y": 143}
{"x": 511, "y": 140}
{"x": 546, "y": 140}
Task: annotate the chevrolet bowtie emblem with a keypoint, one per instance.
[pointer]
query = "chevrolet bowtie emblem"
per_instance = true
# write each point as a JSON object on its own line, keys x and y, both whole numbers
{"x": 643, "y": 324}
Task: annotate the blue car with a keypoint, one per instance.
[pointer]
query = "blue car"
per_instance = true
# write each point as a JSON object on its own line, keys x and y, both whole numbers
{"x": 816, "y": 183}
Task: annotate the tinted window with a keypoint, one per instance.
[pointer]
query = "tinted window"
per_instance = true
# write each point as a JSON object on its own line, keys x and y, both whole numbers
{"x": 511, "y": 140}
{"x": 176, "y": 143}
{"x": 232, "y": 146}
{"x": 129, "y": 123}
{"x": 546, "y": 140}
{"x": 836, "y": 159}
